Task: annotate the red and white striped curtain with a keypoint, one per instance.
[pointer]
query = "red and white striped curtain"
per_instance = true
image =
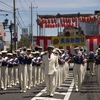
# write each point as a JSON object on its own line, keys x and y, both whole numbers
{"x": 91, "y": 43}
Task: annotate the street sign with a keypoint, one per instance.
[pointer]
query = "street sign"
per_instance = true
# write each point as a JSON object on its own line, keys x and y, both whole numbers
{"x": 15, "y": 34}
{"x": 14, "y": 39}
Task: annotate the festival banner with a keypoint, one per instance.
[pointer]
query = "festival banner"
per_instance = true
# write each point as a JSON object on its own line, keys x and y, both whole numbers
{"x": 68, "y": 40}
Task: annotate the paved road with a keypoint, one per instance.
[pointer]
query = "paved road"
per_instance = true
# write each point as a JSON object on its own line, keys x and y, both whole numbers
{"x": 89, "y": 91}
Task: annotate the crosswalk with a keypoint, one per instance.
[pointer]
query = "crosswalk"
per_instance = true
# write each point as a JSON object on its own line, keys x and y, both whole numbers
{"x": 61, "y": 93}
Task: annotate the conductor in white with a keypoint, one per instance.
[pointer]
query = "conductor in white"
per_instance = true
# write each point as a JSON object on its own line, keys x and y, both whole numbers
{"x": 50, "y": 65}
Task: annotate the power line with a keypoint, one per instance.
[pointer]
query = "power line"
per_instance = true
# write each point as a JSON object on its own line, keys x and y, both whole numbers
{"x": 34, "y": 2}
{"x": 6, "y": 4}
{"x": 21, "y": 18}
{"x": 26, "y": 2}
{"x": 98, "y": 5}
{"x": 1, "y": 10}
{"x": 23, "y": 7}
{"x": 19, "y": 22}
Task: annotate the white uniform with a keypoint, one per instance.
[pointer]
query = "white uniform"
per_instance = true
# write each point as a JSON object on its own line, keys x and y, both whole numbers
{"x": 50, "y": 67}
{"x": 4, "y": 74}
{"x": 78, "y": 74}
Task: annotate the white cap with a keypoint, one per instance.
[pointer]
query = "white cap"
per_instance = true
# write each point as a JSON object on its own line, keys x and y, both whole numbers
{"x": 98, "y": 49}
{"x": 76, "y": 48}
{"x": 14, "y": 53}
{"x": 4, "y": 51}
{"x": 39, "y": 47}
{"x": 28, "y": 49}
{"x": 32, "y": 52}
{"x": 50, "y": 46}
{"x": 36, "y": 52}
{"x": 18, "y": 50}
{"x": 9, "y": 54}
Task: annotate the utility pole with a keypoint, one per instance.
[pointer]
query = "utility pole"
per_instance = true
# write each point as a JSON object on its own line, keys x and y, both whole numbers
{"x": 32, "y": 23}
{"x": 15, "y": 31}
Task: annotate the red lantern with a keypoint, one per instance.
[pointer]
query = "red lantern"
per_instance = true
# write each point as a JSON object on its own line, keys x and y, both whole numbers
{"x": 52, "y": 20}
{"x": 95, "y": 18}
{"x": 76, "y": 19}
{"x": 73, "y": 19}
{"x": 61, "y": 20}
{"x": 49, "y": 20}
{"x": 0, "y": 32}
{"x": 62, "y": 24}
{"x": 69, "y": 20}
{"x": 80, "y": 19}
{"x": 46, "y": 25}
{"x": 72, "y": 24}
{"x": 46, "y": 21}
{"x": 76, "y": 24}
{"x": 64, "y": 19}
{"x": 4, "y": 33}
{"x": 83, "y": 19}
{"x": 55, "y": 20}
{"x": 86, "y": 19}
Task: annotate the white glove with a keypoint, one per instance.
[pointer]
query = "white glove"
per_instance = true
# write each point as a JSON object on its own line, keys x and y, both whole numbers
{"x": 79, "y": 53}
{"x": 55, "y": 72}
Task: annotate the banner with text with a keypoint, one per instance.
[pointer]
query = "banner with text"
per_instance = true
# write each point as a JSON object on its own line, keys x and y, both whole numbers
{"x": 69, "y": 40}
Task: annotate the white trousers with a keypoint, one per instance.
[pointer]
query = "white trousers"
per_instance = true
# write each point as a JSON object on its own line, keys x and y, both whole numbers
{"x": 16, "y": 78}
{"x": 50, "y": 83}
{"x": 29, "y": 72}
{"x": 98, "y": 74}
{"x": 0, "y": 77}
{"x": 66, "y": 70}
{"x": 23, "y": 76}
{"x": 34, "y": 76}
{"x": 10, "y": 77}
{"x": 77, "y": 75}
{"x": 91, "y": 66}
{"x": 4, "y": 76}
{"x": 38, "y": 74}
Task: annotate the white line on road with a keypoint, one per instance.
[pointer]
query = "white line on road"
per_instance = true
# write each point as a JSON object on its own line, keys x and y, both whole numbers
{"x": 69, "y": 91}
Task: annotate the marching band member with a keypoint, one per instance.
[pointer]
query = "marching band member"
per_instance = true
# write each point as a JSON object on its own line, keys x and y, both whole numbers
{"x": 10, "y": 69}
{"x": 0, "y": 67}
{"x": 66, "y": 64}
{"x": 4, "y": 70}
{"x": 29, "y": 67}
{"x": 98, "y": 66}
{"x": 38, "y": 65}
{"x": 61, "y": 63}
{"x": 50, "y": 65}
{"x": 91, "y": 62}
{"x": 78, "y": 64}
{"x": 23, "y": 71}
{"x": 15, "y": 66}
{"x": 41, "y": 55}
{"x": 34, "y": 60}
{"x": 18, "y": 71}
{"x": 85, "y": 63}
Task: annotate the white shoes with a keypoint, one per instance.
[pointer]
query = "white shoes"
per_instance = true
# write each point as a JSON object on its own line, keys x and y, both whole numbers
{"x": 51, "y": 95}
{"x": 5, "y": 89}
{"x": 77, "y": 90}
{"x": 22, "y": 91}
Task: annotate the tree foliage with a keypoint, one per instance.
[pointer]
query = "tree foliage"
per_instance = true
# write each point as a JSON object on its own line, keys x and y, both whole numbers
{"x": 24, "y": 42}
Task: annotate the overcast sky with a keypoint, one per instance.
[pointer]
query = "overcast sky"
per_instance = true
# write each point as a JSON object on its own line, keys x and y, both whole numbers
{"x": 45, "y": 7}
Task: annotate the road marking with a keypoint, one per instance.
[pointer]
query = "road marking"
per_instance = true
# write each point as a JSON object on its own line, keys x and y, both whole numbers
{"x": 69, "y": 91}
{"x": 67, "y": 95}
